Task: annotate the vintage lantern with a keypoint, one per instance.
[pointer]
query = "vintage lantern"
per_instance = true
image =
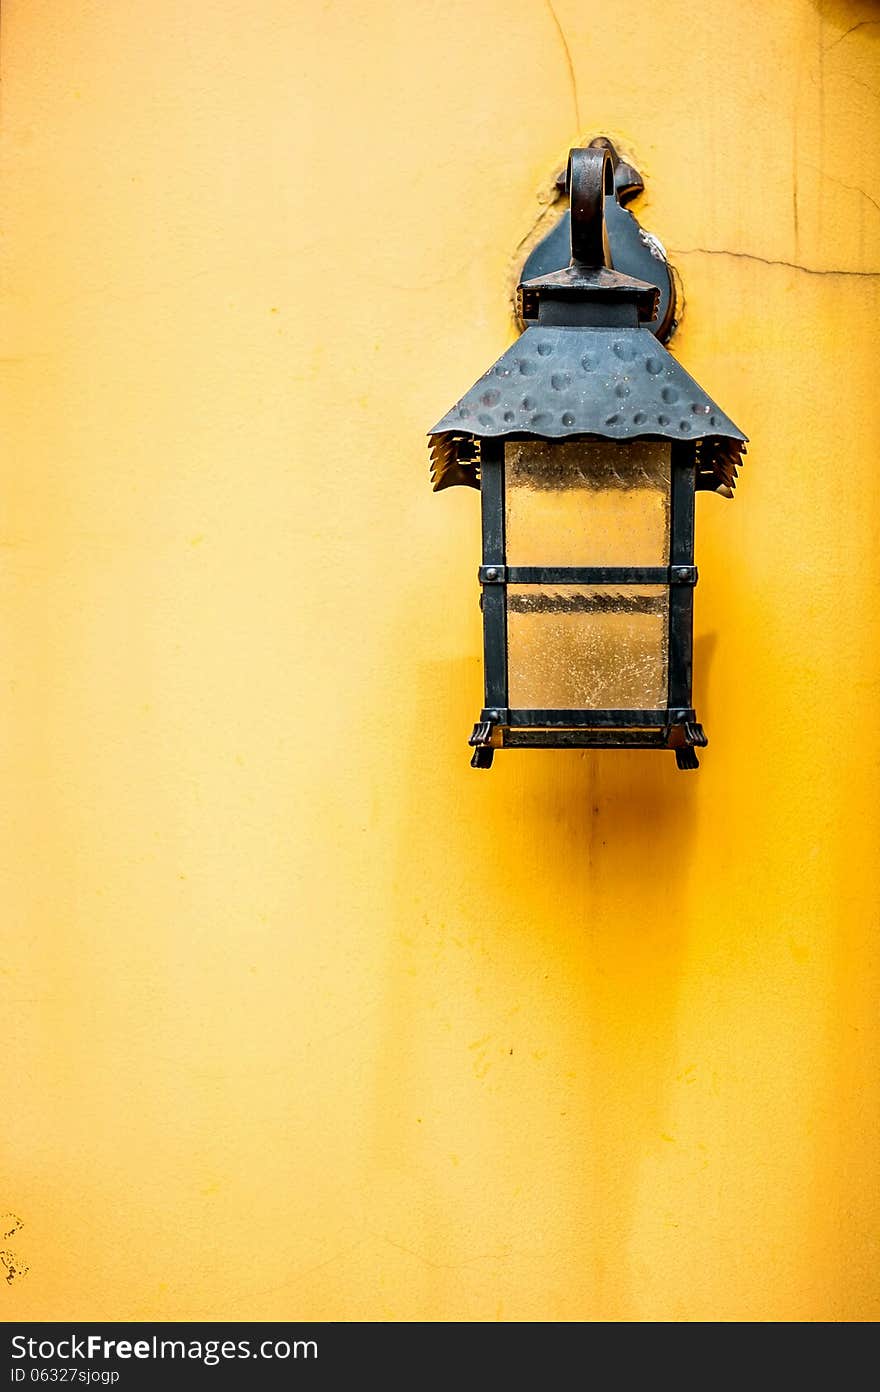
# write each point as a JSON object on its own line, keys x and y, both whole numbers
{"x": 587, "y": 441}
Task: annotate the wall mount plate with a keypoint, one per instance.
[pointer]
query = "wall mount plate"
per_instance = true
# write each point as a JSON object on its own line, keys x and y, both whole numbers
{"x": 634, "y": 251}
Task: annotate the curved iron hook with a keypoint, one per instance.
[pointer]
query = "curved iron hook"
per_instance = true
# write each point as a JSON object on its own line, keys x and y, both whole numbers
{"x": 590, "y": 180}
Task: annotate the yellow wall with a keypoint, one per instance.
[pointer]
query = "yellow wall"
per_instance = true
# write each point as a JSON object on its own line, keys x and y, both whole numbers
{"x": 303, "y": 1017}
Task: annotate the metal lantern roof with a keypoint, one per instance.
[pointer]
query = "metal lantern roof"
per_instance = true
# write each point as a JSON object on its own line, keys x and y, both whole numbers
{"x": 587, "y": 367}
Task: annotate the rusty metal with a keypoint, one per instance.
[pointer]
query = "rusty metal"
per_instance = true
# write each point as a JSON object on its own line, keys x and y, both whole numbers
{"x": 587, "y": 367}
{"x": 633, "y": 250}
{"x": 588, "y": 364}
{"x": 628, "y": 182}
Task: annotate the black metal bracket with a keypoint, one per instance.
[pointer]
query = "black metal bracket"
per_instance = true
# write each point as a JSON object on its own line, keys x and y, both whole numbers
{"x": 633, "y": 250}
{"x": 674, "y": 729}
{"x": 588, "y": 575}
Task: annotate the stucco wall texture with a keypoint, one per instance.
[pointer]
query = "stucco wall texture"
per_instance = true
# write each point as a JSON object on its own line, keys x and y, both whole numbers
{"x": 304, "y": 1018}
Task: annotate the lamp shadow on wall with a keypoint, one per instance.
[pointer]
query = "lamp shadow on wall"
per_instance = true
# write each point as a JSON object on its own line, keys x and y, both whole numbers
{"x": 566, "y": 876}
{"x": 611, "y": 896}
{"x": 849, "y": 14}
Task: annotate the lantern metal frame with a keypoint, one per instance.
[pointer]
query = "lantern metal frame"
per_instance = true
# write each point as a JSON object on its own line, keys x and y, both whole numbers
{"x": 587, "y": 368}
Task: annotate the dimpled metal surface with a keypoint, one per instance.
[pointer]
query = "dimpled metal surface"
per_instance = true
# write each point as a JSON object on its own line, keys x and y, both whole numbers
{"x": 617, "y": 383}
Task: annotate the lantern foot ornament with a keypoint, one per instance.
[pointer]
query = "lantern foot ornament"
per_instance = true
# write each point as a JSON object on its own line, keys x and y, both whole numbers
{"x": 482, "y": 740}
{"x": 587, "y": 441}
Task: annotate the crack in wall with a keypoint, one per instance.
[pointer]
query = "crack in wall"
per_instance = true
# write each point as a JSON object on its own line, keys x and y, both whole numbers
{"x": 862, "y": 24}
{"x": 853, "y": 188}
{"x": 769, "y": 261}
{"x": 569, "y": 64}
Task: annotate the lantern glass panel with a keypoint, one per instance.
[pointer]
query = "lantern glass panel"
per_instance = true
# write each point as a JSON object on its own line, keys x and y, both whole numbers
{"x": 590, "y": 502}
{"x": 588, "y": 647}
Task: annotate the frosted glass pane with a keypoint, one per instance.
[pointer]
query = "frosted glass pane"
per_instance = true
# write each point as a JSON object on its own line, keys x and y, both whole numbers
{"x": 587, "y": 502}
{"x": 593, "y": 646}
